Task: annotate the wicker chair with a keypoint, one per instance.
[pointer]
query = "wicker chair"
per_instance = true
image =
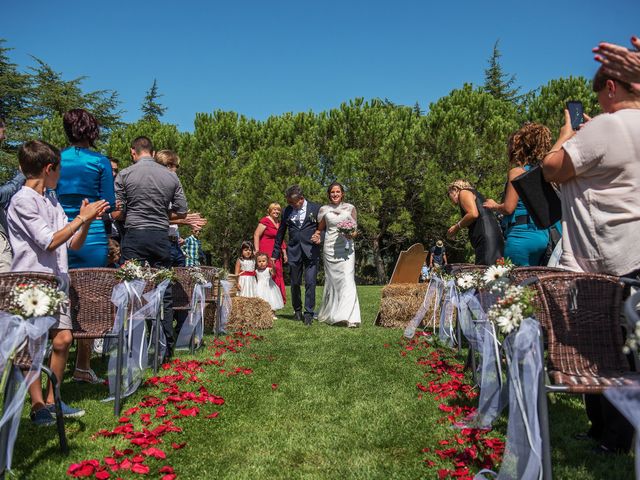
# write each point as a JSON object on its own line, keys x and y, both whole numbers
{"x": 22, "y": 360}
{"x": 580, "y": 318}
{"x": 457, "y": 268}
{"x": 92, "y": 313}
{"x": 183, "y": 289}
{"x": 520, "y": 274}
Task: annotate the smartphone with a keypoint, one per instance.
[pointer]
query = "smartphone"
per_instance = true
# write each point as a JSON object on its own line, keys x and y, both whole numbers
{"x": 576, "y": 113}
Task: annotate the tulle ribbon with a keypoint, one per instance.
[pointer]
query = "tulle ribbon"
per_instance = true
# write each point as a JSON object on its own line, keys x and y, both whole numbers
{"x": 225, "y": 306}
{"x": 481, "y": 334}
{"x": 193, "y": 328}
{"x": 627, "y": 401}
{"x": 154, "y": 311}
{"x": 127, "y": 298}
{"x": 431, "y": 301}
{"x": 446, "y": 332}
{"x": 523, "y": 453}
{"x": 14, "y": 332}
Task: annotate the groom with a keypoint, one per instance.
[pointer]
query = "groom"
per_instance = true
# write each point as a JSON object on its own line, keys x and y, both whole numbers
{"x": 301, "y": 218}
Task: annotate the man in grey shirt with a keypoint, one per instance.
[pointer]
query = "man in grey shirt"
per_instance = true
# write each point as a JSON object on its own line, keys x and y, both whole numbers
{"x": 148, "y": 195}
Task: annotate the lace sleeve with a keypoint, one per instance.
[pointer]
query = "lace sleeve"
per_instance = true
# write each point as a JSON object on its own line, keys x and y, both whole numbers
{"x": 322, "y": 212}
{"x": 354, "y": 213}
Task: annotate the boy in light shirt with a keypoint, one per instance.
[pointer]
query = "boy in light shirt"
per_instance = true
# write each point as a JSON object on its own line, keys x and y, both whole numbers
{"x": 40, "y": 235}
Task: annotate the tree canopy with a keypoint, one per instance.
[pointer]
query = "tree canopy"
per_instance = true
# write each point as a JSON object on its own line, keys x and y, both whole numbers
{"x": 395, "y": 161}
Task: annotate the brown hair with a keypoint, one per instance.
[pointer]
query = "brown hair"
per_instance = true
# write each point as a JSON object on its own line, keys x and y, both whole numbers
{"x": 529, "y": 145}
{"x": 262, "y": 254}
{"x": 335, "y": 184}
{"x": 142, "y": 144}
{"x": 80, "y": 126}
{"x": 168, "y": 158}
{"x": 35, "y": 155}
{"x": 113, "y": 255}
{"x": 600, "y": 81}
{"x": 249, "y": 245}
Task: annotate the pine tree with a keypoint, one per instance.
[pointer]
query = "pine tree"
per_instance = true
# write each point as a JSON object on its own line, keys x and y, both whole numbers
{"x": 498, "y": 83}
{"x": 151, "y": 108}
{"x": 15, "y": 88}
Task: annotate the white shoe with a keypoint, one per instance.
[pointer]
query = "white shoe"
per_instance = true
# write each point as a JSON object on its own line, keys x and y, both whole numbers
{"x": 98, "y": 345}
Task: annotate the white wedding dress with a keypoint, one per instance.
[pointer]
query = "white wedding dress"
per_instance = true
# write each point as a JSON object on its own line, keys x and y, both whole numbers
{"x": 340, "y": 299}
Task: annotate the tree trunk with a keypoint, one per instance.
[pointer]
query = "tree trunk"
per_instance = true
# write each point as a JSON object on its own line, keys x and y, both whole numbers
{"x": 377, "y": 260}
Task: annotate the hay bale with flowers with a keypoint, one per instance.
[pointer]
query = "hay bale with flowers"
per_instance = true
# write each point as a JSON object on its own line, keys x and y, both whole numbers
{"x": 249, "y": 313}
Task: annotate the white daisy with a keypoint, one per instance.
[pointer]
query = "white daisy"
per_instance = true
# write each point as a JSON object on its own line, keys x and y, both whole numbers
{"x": 34, "y": 302}
{"x": 495, "y": 272}
{"x": 465, "y": 282}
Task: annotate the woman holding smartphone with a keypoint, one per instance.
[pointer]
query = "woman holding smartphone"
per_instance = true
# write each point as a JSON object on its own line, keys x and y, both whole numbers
{"x": 525, "y": 243}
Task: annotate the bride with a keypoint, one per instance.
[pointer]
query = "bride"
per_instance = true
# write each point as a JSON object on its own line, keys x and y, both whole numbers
{"x": 340, "y": 300}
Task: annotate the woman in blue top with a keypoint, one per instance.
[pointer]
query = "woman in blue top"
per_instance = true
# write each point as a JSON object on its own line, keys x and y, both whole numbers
{"x": 85, "y": 173}
{"x": 525, "y": 244}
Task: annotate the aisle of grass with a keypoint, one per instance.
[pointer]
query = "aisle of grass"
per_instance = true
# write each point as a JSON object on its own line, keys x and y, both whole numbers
{"x": 322, "y": 402}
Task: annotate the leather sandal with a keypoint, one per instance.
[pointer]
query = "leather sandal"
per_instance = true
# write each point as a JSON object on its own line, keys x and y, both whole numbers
{"x": 93, "y": 378}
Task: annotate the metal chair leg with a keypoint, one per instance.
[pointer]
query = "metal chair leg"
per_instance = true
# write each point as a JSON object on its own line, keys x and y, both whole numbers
{"x": 156, "y": 345}
{"x": 58, "y": 407}
{"x": 118, "y": 387}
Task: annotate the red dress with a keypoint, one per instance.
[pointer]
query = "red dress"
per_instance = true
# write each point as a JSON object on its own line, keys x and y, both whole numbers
{"x": 267, "y": 240}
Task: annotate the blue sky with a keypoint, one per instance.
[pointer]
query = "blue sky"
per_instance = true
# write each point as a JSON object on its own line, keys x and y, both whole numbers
{"x": 263, "y": 58}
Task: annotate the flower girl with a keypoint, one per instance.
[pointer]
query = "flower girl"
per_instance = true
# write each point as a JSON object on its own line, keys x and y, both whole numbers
{"x": 246, "y": 269}
{"x": 267, "y": 288}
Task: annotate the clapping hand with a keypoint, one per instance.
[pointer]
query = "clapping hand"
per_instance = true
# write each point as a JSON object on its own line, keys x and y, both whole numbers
{"x": 93, "y": 210}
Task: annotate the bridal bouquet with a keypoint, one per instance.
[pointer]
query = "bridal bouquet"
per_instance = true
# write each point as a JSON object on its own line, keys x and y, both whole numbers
{"x": 35, "y": 300}
{"x": 348, "y": 229}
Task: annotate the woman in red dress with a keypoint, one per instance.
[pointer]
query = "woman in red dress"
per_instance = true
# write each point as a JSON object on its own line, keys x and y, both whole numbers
{"x": 264, "y": 238}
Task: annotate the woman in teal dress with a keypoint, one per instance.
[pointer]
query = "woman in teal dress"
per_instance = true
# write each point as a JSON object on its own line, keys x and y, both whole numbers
{"x": 525, "y": 243}
{"x": 85, "y": 173}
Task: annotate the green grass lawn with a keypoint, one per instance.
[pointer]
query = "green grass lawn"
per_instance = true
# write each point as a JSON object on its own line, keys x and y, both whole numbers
{"x": 321, "y": 402}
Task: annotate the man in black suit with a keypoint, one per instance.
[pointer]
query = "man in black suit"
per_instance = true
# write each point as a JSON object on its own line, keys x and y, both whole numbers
{"x": 301, "y": 218}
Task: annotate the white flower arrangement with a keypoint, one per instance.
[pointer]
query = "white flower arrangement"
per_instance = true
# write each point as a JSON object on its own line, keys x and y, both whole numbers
{"x": 467, "y": 281}
{"x": 496, "y": 277}
{"x": 509, "y": 311}
{"x": 133, "y": 270}
{"x": 35, "y": 300}
{"x": 197, "y": 276}
{"x": 632, "y": 343}
{"x": 163, "y": 274}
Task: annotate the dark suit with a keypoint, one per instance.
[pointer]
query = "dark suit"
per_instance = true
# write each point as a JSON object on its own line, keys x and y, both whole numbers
{"x": 303, "y": 255}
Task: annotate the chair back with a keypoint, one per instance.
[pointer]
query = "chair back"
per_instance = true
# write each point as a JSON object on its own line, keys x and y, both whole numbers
{"x": 459, "y": 268}
{"x": 9, "y": 280}
{"x": 182, "y": 289}
{"x": 520, "y": 274}
{"x": 92, "y": 313}
{"x": 581, "y": 319}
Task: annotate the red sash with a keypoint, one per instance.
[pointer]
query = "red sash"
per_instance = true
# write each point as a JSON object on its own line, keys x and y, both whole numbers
{"x": 248, "y": 274}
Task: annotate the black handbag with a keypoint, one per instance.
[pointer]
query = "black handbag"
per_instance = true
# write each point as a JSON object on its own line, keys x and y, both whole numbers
{"x": 539, "y": 196}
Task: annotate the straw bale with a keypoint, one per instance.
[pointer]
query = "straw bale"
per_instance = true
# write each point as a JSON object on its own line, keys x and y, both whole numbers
{"x": 249, "y": 313}
{"x": 417, "y": 290}
{"x": 397, "y": 311}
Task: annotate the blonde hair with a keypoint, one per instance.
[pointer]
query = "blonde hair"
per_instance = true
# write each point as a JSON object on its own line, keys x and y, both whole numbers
{"x": 272, "y": 206}
{"x": 168, "y": 158}
{"x": 459, "y": 185}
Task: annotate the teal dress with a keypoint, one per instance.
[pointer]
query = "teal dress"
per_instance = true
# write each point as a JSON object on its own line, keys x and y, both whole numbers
{"x": 525, "y": 243}
{"x": 86, "y": 174}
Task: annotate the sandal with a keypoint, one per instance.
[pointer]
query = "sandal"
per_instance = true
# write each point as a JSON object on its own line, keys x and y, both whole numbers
{"x": 93, "y": 378}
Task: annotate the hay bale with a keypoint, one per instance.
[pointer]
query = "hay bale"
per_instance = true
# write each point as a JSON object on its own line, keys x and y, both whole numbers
{"x": 417, "y": 290}
{"x": 209, "y": 317}
{"x": 249, "y": 313}
{"x": 397, "y": 311}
